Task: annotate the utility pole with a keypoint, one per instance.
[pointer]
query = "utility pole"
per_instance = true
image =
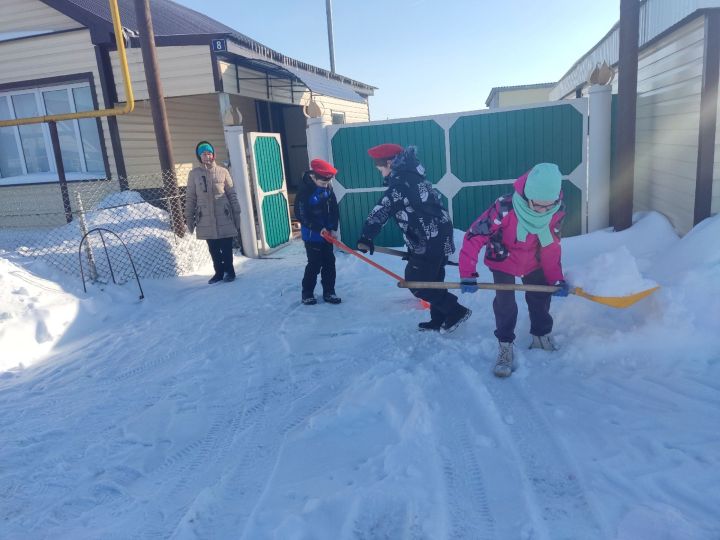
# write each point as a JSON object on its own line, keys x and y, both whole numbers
{"x": 159, "y": 114}
{"x": 622, "y": 186}
{"x": 328, "y": 11}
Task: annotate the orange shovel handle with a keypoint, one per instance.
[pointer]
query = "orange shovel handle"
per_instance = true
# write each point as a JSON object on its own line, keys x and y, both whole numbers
{"x": 327, "y": 236}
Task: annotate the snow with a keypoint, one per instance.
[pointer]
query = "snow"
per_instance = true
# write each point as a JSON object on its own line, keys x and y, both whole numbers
{"x": 232, "y": 411}
{"x": 145, "y": 229}
{"x": 614, "y": 273}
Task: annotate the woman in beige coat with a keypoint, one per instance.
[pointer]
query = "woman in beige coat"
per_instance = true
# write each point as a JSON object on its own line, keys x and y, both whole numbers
{"x": 213, "y": 210}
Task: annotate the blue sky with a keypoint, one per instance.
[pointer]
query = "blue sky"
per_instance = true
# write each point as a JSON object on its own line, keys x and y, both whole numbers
{"x": 427, "y": 56}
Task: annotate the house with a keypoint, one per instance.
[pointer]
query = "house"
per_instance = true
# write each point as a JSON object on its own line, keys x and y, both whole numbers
{"x": 524, "y": 94}
{"x": 677, "y": 160}
{"x": 59, "y": 56}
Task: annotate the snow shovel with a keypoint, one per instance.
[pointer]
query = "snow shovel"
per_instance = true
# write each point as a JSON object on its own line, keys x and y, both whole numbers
{"x": 612, "y": 301}
{"x": 330, "y": 238}
{"x": 425, "y": 304}
{"x": 399, "y": 253}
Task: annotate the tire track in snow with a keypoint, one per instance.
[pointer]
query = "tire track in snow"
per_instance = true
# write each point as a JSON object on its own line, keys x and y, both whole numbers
{"x": 561, "y": 504}
{"x": 462, "y": 466}
{"x": 236, "y": 494}
{"x": 300, "y": 397}
{"x": 387, "y": 518}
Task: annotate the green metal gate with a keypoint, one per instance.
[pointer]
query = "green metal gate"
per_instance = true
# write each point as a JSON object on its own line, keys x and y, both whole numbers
{"x": 471, "y": 158}
{"x": 270, "y": 190}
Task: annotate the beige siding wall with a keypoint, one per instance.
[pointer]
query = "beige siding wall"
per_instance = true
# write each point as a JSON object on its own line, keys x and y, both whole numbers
{"x": 191, "y": 119}
{"x": 511, "y": 98}
{"x": 253, "y": 84}
{"x": 228, "y": 72}
{"x": 32, "y": 15}
{"x": 247, "y": 110}
{"x": 184, "y": 71}
{"x": 53, "y": 56}
{"x": 41, "y": 205}
{"x": 47, "y": 56}
{"x": 668, "y": 116}
{"x": 354, "y": 112}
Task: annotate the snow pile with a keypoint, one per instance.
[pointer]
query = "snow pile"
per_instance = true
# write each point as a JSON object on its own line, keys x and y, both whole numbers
{"x": 233, "y": 411}
{"x": 144, "y": 228}
{"x": 34, "y": 314}
{"x": 614, "y": 273}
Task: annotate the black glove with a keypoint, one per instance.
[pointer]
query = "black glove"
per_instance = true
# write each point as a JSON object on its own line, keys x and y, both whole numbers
{"x": 365, "y": 244}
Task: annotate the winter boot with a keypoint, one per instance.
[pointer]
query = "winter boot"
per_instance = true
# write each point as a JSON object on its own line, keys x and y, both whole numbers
{"x": 229, "y": 277}
{"x": 505, "y": 364}
{"x": 546, "y": 343}
{"x": 458, "y": 316}
{"x": 309, "y": 299}
{"x": 216, "y": 278}
{"x": 432, "y": 325}
{"x": 331, "y": 298}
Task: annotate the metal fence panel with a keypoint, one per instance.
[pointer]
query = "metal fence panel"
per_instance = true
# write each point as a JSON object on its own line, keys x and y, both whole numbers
{"x": 471, "y": 158}
{"x": 142, "y": 216}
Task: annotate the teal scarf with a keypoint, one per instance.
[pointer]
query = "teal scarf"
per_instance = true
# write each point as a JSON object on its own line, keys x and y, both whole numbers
{"x": 530, "y": 221}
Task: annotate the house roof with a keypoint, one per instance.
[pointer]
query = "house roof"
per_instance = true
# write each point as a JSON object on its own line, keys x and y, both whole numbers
{"x": 180, "y": 25}
{"x": 657, "y": 19}
{"x": 497, "y": 89}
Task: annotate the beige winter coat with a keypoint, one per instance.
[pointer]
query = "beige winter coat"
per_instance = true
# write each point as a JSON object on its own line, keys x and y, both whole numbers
{"x": 211, "y": 204}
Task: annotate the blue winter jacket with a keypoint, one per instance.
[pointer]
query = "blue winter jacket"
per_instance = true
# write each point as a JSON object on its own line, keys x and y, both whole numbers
{"x": 316, "y": 208}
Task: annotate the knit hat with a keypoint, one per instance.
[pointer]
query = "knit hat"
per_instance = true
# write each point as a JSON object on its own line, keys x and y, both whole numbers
{"x": 204, "y": 146}
{"x": 385, "y": 151}
{"x": 323, "y": 168}
{"x": 543, "y": 183}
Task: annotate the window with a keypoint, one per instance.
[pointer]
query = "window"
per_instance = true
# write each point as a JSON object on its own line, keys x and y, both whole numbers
{"x": 338, "y": 117}
{"x": 26, "y": 153}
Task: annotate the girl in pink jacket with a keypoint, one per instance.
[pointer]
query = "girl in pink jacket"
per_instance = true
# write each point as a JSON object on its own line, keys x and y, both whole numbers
{"x": 521, "y": 236}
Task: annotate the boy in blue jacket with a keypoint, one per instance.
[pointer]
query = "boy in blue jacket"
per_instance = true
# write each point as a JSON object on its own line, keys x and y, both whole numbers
{"x": 316, "y": 208}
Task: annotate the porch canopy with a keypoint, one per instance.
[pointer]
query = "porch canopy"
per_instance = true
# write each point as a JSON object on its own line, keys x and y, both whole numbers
{"x": 294, "y": 79}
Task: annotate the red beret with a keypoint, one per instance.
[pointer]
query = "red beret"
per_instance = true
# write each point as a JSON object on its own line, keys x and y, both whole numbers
{"x": 323, "y": 168}
{"x": 385, "y": 151}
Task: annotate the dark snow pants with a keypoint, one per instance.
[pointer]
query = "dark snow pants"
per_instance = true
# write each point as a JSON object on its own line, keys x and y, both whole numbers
{"x": 506, "y": 310}
{"x": 320, "y": 260}
{"x": 428, "y": 268}
{"x": 222, "y": 256}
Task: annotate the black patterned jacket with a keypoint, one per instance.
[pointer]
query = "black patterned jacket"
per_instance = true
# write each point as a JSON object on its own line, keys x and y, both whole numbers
{"x": 417, "y": 208}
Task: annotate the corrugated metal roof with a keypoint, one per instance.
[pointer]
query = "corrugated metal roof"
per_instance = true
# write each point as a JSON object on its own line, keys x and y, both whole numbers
{"x": 324, "y": 86}
{"x": 171, "y": 19}
{"x": 656, "y": 16}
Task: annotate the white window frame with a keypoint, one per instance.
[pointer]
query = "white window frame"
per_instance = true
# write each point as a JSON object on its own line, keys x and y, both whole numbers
{"x": 27, "y": 178}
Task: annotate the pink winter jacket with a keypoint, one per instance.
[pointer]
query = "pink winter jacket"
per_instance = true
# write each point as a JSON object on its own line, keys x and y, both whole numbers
{"x": 496, "y": 229}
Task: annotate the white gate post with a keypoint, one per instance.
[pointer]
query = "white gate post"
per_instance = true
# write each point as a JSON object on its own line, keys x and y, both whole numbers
{"x": 235, "y": 141}
{"x": 317, "y": 143}
{"x": 598, "y": 190}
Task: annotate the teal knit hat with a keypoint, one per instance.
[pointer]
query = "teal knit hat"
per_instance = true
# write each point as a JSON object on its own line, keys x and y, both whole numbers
{"x": 543, "y": 183}
{"x": 203, "y": 146}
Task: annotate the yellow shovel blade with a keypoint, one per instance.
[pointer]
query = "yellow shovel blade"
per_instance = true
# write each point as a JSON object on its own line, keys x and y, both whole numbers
{"x": 615, "y": 301}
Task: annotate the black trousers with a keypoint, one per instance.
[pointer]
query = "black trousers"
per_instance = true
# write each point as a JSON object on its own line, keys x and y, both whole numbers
{"x": 222, "y": 256}
{"x": 506, "y": 310}
{"x": 427, "y": 268}
{"x": 320, "y": 260}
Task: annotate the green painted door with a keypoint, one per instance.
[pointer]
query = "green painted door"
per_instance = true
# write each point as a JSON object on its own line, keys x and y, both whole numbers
{"x": 270, "y": 190}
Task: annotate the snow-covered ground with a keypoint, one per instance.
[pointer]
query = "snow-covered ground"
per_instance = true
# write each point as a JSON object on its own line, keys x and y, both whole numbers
{"x": 232, "y": 411}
